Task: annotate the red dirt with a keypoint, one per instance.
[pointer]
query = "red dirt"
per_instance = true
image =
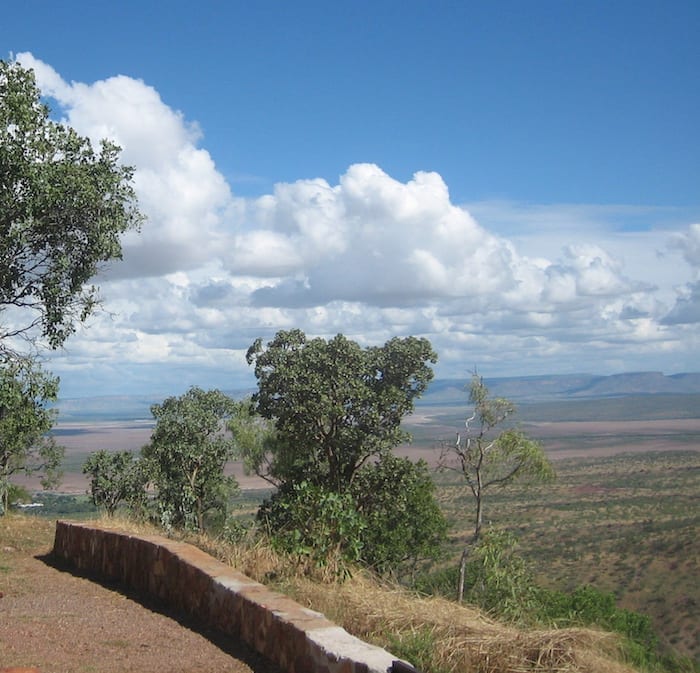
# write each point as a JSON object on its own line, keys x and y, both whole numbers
{"x": 61, "y": 623}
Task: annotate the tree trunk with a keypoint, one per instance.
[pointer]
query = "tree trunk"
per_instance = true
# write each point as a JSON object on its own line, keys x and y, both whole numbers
{"x": 467, "y": 548}
{"x": 462, "y": 573}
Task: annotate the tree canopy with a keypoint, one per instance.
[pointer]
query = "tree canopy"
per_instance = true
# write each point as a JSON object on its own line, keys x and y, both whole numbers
{"x": 335, "y": 411}
{"x": 115, "y": 478}
{"x": 335, "y": 404}
{"x": 404, "y": 522}
{"x": 63, "y": 208}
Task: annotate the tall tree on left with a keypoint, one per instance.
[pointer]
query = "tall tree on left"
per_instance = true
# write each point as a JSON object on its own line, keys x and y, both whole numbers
{"x": 25, "y": 419}
{"x": 63, "y": 208}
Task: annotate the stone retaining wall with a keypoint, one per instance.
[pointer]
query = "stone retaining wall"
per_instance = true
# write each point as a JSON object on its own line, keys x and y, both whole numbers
{"x": 298, "y": 640}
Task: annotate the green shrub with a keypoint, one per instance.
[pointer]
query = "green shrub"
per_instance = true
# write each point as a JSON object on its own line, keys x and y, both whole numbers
{"x": 418, "y": 647}
{"x": 307, "y": 520}
{"x": 498, "y": 581}
{"x": 403, "y": 523}
{"x": 588, "y": 606}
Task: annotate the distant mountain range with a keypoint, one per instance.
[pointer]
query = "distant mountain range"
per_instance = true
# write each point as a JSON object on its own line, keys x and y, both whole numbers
{"x": 441, "y": 391}
{"x": 568, "y": 387}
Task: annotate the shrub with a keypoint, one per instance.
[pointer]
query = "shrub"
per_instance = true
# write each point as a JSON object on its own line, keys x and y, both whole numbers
{"x": 307, "y": 520}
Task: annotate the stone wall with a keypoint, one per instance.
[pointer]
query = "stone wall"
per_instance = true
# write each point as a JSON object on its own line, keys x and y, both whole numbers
{"x": 183, "y": 577}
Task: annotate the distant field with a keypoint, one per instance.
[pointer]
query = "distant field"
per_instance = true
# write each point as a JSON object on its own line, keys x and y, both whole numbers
{"x": 626, "y": 523}
{"x": 81, "y": 439}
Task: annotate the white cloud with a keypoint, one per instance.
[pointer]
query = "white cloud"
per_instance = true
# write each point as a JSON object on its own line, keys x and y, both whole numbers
{"x": 688, "y": 243}
{"x": 178, "y": 186}
{"x": 511, "y": 288}
{"x": 686, "y": 310}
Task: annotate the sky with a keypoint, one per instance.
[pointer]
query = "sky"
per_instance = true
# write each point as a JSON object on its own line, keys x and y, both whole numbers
{"x": 518, "y": 182}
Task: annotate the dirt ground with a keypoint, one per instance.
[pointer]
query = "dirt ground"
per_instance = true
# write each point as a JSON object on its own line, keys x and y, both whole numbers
{"x": 61, "y": 623}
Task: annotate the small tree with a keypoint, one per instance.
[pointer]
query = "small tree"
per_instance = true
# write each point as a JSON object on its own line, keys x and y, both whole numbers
{"x": 311, "y": 522}
{"x": 25, "y": 421}
{"x": 487, "y": 457}
{"x": 189, "y": 449}
{"x": 117, "y": 477}
{"x": 63, "y": 208}
{"x": 255, "y": 439}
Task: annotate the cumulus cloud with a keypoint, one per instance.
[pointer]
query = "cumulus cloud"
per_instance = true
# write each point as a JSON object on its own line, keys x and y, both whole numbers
{"x": 686, "y": 309}
{"x": 520, "y": 290}
{"x": 688, "y": 243}
{"x": 177, "y": 183}
{"x": 372, "y": 239}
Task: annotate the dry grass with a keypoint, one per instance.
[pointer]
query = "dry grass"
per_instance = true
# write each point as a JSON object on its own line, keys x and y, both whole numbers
{"x": 463, "y": 638}
{"x": 26, "y": 534}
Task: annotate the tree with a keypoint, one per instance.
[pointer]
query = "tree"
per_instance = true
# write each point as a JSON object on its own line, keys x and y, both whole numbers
{"x": 308, "y": 520}
{"x": 117, "y": 477}
{"x": 335, "y": 405}
{"x": 336, "y": 410}
{"x": 63, "y": 208}
{"x": 25, "y": 419}
{"x": 488, "y": 458}
{"x": 188, "y": 450}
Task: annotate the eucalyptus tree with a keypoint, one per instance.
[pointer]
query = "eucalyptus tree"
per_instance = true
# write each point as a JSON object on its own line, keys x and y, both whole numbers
{"x": 333, "y": 404}
{"x": 63, "y": 209}
{"x": 188, "y": 452}
{"x": 117, "y": 477}
{"x": 490, "y": 455}
{"x": 334, "y": 412}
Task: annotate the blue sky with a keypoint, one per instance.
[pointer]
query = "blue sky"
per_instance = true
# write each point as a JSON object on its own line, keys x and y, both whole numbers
{"x": 517, "y": 181}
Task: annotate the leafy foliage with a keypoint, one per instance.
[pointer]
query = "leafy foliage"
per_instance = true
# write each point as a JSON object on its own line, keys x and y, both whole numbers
{"x": 587, "y": 605}
{"x": 335, "y": 404}
{"x": 188, "y": 451}
{"x": 498, "y": 580}
{"x": 255, "y": 440}
{"x": 403, "y": 521}
{"x": 337, "y": 409}
{"x": 388, "y": 521}
{"x": 63, "y": 207}
{"x": 25, "y": 421}
{"x": 306, "y": 519}
{"x": 115, "y": 478}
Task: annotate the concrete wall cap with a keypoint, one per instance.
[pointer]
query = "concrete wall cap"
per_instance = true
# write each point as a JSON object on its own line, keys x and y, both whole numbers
{"x": 343, "y": 645}
{"x": 235, "y": 584}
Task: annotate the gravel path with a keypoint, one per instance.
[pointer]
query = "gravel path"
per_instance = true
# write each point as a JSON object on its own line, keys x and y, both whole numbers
{"x": 62, "y": 623}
